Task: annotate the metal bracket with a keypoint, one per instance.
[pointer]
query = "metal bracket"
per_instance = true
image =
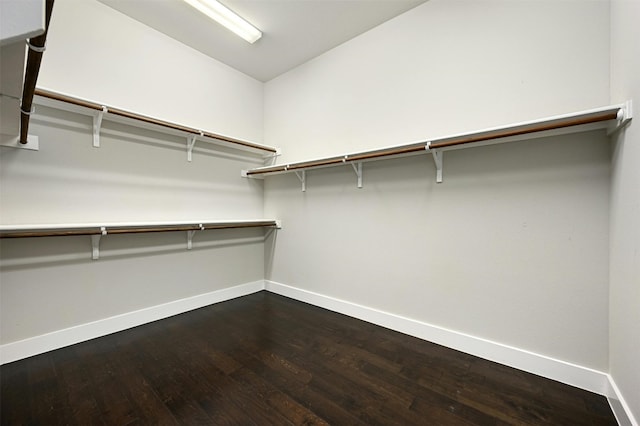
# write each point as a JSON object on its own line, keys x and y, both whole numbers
{"x": 625, "y": 114}
{"x": 95, "y": 243}
{"x": 191, "y": 142}
{"x": 303, "y": 179}
{"x": 190, "y": 235}
{"x": 190, "y": 239}
{"x": 97, "y": 124}
{"x": 357, "y": 167}
{"x": 437, "y": 160}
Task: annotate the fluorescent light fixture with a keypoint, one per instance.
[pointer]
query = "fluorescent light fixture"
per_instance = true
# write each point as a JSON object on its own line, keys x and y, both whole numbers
{"x": 226, "y": 17}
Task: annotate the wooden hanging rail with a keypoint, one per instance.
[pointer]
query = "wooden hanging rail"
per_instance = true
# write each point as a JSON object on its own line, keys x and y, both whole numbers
{"x": 608, "y": 114}
{"x": 96, "y": 231}
{"x": 37, "y": 46}
{"x": 30, "y": 231}
{"x": 150, "y": 120}
{"x": 610, "y": 117}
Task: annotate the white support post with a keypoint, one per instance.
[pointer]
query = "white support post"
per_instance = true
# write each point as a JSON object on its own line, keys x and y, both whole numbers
{"x": 303, "y": 179}
{"x": 190, "y": 239}
{"x": 95, "y": 243}
{"x": 625, "y": 114}
{"x": 191, "y": 142}
{"x": 357, "y": 167}
{"x": 95, "y": 247}
{"x": 190, "y": 235}
{"x": 437, "y": 159}
{"x": 97, "y": 124}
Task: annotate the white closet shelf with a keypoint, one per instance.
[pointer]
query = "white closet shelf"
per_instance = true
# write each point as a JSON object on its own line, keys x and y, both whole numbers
{"x": 97, "y": 230}
{"x": 17, "y": 231}
{"x": 100, "y": 112}
{"x": 611, "y": 117}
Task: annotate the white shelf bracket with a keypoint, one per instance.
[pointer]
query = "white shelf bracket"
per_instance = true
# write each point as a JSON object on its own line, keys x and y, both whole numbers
{"x": 437, "y": 160}
{"x": 303, "y": 179}
{"x": 97, "y": 124}
{"x": 625, "y": 114}
{"x": 357, "y": 167}
{"x": 191, "y": 142}
{"x": 95, "y": 243}
{"x": 190, "y": 235}
{"x": 190, "y": 239}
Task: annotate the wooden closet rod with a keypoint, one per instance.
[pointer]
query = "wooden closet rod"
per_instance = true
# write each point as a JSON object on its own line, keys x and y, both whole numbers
{"x": 387, "y": 152}
{"x": 50, "y": 233}
{"x": 37, "y": 45}
{"x": 204, "y": 227}
{"x": 270, "y": 223}
{"x": 538, "y": 126}
{"x": 318, "y": 163}
{"x": 155, "y": 121}
{"x": 139, "y": 229}
{"x": 596, "y": 117}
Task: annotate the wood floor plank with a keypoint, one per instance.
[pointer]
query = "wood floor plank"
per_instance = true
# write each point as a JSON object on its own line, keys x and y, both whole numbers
{"x": 266, "y": 359}
{"x": 76, "y": 382}
{"x": 300, "y": 371}
{"x": 288, "y": 407}
{"x": 52, "y": 408}
{"x": 142, "y": 398}
{"x": 14, "y": 395}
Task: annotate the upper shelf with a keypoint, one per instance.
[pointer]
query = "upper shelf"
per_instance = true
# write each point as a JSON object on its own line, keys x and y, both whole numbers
{"x": 100, "y": 111}
{"x": 610, "y": 117}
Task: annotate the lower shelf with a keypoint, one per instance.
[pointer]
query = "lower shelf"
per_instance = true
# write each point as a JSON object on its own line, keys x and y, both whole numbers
{"x": 96, "y": 231}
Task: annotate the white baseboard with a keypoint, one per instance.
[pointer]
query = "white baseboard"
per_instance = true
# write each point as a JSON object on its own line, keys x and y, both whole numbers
{"x": 619, "y": 406}
{"x": 572, "y": 374}
{"x": 58, "y": 339}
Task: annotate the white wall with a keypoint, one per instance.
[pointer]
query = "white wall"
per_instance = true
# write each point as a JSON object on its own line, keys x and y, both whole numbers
{"x": 513, "y": 246}
{"x": 443, "y": 68}
{"x": 97, "y": 53}
{"x": 624, "y": 349}
{"x": 93, "y": 52}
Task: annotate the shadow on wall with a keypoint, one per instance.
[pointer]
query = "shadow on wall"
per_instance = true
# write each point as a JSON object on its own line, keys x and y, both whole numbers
{"x": 270, "y": 241}
{"x": 147, "y": 135}
{"x": 29, "y": 253}
{"x": 549, "y": 161}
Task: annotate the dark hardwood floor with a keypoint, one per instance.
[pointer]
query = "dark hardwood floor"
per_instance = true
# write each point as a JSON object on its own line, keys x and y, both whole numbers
{"x": 264, "y": 359}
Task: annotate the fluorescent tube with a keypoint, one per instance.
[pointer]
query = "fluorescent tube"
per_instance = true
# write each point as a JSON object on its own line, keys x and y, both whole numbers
{"x": 226, "y": 17}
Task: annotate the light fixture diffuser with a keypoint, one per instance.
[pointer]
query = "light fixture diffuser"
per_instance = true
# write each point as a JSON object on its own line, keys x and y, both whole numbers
{"x": 226, "y": 17}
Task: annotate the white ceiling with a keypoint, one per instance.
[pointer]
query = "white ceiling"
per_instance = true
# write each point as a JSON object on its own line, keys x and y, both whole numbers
{"x": 294, "y": 31}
